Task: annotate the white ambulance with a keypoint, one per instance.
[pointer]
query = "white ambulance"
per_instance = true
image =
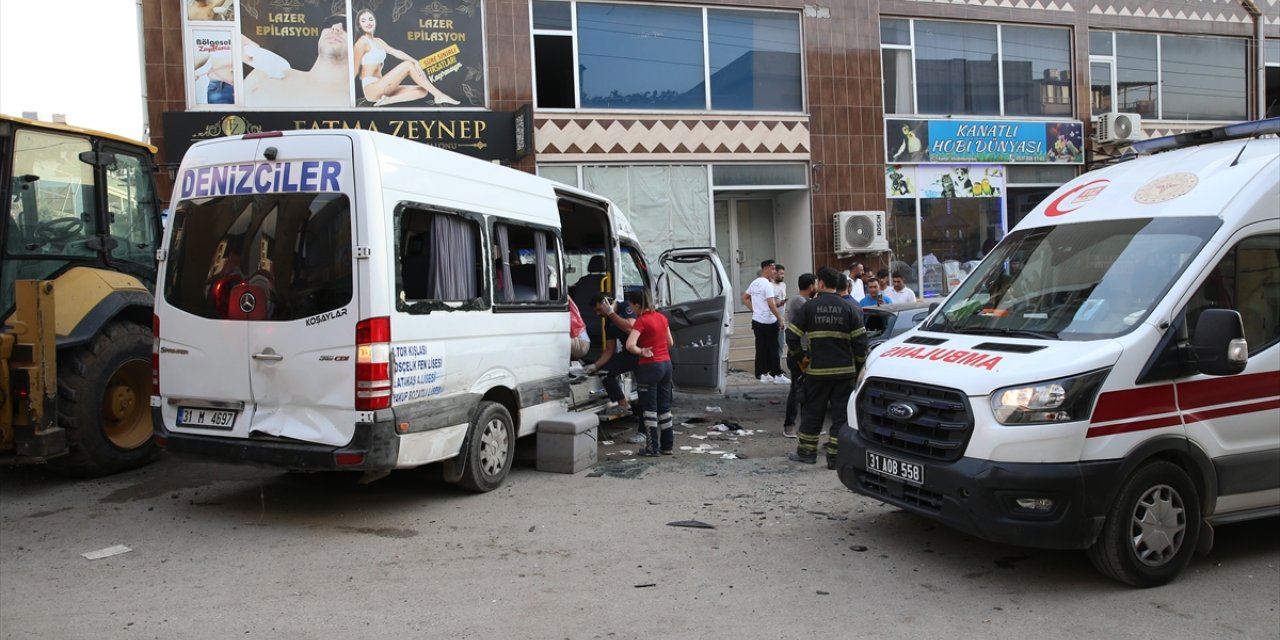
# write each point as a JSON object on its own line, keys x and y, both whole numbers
{"x": 1109, "y": 376}
{"x": 352, "y": 300}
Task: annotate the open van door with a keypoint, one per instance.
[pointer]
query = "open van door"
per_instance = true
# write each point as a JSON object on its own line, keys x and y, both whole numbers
{"x": 693, "y": 293}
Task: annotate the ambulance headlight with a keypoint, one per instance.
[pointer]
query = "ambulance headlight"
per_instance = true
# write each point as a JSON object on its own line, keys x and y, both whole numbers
{"x": 1061, "y": 400}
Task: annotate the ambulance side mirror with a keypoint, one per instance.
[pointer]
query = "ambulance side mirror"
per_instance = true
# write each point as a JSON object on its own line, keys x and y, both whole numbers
{"x": 1218, "y": 346}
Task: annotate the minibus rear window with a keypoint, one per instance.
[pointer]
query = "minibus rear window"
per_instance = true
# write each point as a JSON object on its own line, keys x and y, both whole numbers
{"x": 290, "y": 251}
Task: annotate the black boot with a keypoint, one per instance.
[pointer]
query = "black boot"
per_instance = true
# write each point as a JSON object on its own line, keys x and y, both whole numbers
{"x": 796, "y": 456}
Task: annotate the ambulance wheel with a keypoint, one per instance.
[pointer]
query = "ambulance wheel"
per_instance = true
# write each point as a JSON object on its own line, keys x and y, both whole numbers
{"x": 104, "y": 402}
{"x": 490, "y": 450}
{"x": 1152, "y": 529}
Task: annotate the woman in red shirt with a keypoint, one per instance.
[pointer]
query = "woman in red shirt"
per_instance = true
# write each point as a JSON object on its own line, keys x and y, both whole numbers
{"x": 650, "y": 339}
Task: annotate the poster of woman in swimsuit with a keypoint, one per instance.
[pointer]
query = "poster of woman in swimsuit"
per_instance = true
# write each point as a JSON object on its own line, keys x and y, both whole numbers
{"x": 418, "y": 53}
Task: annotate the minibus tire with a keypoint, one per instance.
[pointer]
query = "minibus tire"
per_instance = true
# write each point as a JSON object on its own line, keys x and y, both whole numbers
{"x": 490, "y": 450}
{"x": 1145, "y": 513}
{"x": 104, "y": 402}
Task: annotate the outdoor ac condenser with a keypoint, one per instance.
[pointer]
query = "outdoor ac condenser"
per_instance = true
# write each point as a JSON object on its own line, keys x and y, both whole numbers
{"x": 860, "y": 232}
{"x": 1110, "y": 128}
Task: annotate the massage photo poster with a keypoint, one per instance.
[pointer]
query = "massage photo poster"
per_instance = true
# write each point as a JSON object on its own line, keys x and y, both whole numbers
{"x": 338, "y": 54}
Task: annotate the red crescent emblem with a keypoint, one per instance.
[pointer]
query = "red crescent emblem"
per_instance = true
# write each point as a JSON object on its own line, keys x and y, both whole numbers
{"x": 1054, "y": 209}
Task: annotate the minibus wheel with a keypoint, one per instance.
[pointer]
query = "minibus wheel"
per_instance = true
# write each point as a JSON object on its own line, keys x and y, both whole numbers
{"x": 490, "y": 450}
{"x": 1152, "y": 528}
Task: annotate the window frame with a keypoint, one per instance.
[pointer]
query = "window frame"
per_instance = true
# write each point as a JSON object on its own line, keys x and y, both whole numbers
{"x": 703, "y": 10}
{"x": 1114, "y": 59}
{"x": 417, "y": 306}
{"x": 555, "y": 247}
{"x": 1000, "y": 64}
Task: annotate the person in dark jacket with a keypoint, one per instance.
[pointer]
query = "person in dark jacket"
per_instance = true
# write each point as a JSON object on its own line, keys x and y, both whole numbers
{"x": 837, "y": 350}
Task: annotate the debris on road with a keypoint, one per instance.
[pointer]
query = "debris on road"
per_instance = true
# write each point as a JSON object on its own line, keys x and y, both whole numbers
{"x": 647, "y": 584}
{"x": 692, "y": 524}
{"x": 106, "y": 553}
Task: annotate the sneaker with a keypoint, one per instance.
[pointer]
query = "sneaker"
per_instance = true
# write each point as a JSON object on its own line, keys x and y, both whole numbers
{"x": 637, "y": 438}
{"x": 781, "y": 378}
{"x": 796, "y": 457}
{"x": 788, "y": 431}
{"x": 668, "y": 452}
{"x": 766, "y": 378}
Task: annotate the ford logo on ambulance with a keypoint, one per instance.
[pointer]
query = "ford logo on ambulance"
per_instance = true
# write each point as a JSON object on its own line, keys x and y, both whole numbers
{"x": 902, "y": 410}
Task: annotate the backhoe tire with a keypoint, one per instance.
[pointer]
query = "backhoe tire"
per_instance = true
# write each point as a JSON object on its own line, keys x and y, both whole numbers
{"x": 104, "y": 402}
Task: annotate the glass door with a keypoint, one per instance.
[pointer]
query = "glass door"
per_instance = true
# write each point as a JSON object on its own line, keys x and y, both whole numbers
{"x": 744, "y": 237}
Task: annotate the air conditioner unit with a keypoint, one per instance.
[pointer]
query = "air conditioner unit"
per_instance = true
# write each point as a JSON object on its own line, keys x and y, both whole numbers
{"x": 860, "y": 232}
{"x": 1117, "y": 127}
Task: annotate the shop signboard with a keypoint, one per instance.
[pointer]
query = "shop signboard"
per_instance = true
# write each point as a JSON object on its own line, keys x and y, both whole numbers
{"x": 918, "y": 141}
{"x": 487, "y": 135}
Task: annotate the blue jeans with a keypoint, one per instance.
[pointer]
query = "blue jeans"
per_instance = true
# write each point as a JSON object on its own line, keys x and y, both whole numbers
{"x": 221, "y": 92}
{"x": 655, "y": 387}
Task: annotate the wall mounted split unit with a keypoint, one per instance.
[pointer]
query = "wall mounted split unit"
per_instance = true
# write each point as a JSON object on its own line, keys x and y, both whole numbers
{"x": 1114, "y": 127}
{"x": 860, "y": 232}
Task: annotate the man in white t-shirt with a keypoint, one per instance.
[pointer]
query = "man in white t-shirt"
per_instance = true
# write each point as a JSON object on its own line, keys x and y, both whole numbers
{"x": 766, "y": 319}
{"x": 855, "y": 274}
{"x": 899, "y": 292}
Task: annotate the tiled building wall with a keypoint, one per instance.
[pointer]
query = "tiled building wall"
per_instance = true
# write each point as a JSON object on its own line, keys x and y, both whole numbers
{"x": 846, "y": 116}
{"x": 162, "y": 57}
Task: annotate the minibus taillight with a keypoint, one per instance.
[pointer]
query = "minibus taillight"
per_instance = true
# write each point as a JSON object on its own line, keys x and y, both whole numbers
{"x": 155, "y": 355}
{"x": 373, "y": 364}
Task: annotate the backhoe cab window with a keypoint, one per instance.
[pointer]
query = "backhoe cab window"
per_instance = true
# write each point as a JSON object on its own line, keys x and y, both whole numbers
{"x": 131, "y": 210}
{"x": 266, "y": 257}
{"x": 52, "y": 211}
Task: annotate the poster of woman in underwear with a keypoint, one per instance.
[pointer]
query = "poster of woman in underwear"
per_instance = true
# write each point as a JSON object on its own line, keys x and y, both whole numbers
{"x": 416, "y": 54}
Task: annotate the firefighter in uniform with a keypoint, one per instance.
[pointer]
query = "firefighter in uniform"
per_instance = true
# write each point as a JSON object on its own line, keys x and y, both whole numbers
{"x": 837, "y": 350}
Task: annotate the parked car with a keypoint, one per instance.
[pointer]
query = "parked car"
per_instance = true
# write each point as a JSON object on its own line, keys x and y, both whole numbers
{"x": 890, "y": 320}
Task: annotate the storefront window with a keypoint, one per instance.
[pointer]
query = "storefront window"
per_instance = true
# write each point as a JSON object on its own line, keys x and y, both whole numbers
{"x": 936, "y": 67}
{"x": 640, "y": 57}
{"x": 1137, "y": 82}
{"x": 755, "y": 61}
{"x": 1037, "y": 71}
{"x": 900, "y": 229}
{"x": 633, "y": 57}
{"x": 956, "y": 67}
{"x": 1100, "y": 87}
{"x": 1203, "y": 78}
{"x": 1272, "y": 61}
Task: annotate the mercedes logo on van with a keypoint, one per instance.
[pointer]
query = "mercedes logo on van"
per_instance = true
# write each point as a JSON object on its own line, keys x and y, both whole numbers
{"x": 902, "y": 410}
{"x": 247, "y": 302}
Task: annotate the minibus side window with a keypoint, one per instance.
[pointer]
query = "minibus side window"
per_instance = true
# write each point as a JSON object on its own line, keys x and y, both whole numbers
{"x": 635, "y": 273}
{"x": 1247, "y": 279}
{"x": 526, "y": 266}
{"x": 438, "y": 260}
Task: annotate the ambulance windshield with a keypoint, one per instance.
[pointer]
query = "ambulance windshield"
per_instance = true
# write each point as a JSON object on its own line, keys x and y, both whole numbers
{"x": 1075, "y": 281}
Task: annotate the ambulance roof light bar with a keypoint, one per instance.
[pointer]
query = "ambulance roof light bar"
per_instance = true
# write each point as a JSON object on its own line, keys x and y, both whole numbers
{"x": 1236, "y": 131}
